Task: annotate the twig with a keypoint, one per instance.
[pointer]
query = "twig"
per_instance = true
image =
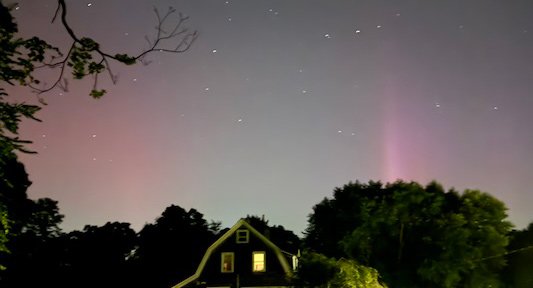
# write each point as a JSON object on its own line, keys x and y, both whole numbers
{"x": 187, "y": 38}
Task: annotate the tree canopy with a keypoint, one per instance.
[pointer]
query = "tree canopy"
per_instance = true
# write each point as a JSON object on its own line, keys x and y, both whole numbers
{"x": 519, "y": 258}
{"x": 20, "y": 58}
{"x": 414, "y": 236}
{"x": 317, "y": 270}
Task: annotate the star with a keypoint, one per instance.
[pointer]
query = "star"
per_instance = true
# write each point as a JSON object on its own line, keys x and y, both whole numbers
{"x": 239, "y": 120}
{"x": 229, "y": 19}
{"x": 339, "y": 131}
{"x": 214, "y": 51}
{"x": 94, "y": 158}
{"x": 206, "y": 89}
{"x": 134, "y": 79}
{"x": 89, "y": 4}
{"x": 397, "y": 14}
{"x": 304, "y": 91}
{"x": 379, "y": 26}
{"x": 495, "y": 108}
{"x": 17, "y": 8}
{"x": 327, "y": 36}
{"x": 44, "y": 135}
{"x": 357, "y": 31}
{"x": 437, "y": 105}
{"x": 126, "y": 34}
{"x": 301, "y": 70}
{"x": 93, "y": 136}
{"x": 353, "y": 134}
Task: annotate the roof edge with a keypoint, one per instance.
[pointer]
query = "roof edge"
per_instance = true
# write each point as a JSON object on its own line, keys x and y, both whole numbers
{"x": 209, "y": 251}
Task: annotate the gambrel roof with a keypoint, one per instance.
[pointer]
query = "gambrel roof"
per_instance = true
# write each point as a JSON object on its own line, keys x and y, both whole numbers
{"x": 239, "y": 225}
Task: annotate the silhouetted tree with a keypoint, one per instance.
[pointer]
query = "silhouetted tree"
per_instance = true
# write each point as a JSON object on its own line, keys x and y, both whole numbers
{"x": 35, "y": 250}
{"x": 15, "y": 207}
{"x": 332, "y": 219}
{"x": 284, "y": 239}
{"x": 45, "y": 219}
{"x": 20, "y": 58}
{"x": 14, "y": 183}
{"x": 99, "y": 255}
{"x": 519, "y": 259}
{"x": 4, "y": 231}
{"x": 414, "y": 236}
{"x": 317, "y": 270}
{"x": 171, "y": 249}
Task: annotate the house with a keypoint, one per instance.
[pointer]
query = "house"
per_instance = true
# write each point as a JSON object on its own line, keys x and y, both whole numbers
{"x": 243, "y": 257}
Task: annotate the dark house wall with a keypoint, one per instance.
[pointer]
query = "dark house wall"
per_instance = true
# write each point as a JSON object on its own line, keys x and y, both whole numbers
{"x": 273, "y": 276}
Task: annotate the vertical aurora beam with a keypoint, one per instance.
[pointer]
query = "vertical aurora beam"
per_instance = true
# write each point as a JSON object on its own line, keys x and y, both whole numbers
{"x": 407, "y": 136}
{"x": 392, "y": 162}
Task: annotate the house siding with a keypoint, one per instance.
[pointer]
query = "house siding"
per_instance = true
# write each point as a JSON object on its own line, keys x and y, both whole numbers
{"x": 243, "y": 265}
{"x": 209, "y": 272}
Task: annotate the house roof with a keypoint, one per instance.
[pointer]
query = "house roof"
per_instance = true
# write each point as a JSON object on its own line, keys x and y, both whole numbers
{"x": 241, "y": 223}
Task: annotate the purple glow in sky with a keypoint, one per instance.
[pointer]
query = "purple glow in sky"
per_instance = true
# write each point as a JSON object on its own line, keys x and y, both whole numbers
{"x": 278, "y": 102}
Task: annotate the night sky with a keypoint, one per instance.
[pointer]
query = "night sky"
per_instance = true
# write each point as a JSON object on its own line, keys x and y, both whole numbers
{"x": 278, "y": 102}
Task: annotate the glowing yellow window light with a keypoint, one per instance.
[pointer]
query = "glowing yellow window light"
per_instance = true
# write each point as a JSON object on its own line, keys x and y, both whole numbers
{"x": 258, "y": 259}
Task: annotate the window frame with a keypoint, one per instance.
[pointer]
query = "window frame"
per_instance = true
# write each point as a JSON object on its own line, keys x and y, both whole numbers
{"x": 232, "y": 257}
{"x": 242, "y": 238}
{"x": 254, "y": 262}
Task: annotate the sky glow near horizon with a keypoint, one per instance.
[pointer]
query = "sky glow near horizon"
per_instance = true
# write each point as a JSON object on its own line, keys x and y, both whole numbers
{"x": 278, "y": 102}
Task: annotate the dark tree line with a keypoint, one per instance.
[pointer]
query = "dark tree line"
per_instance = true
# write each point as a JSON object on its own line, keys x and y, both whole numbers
{"x": 418, "y": 236}
{"x": 520, "y": 259}
{"x": 402, "y": 234}
{"x": 414, "y": 236}
{"x": 162, "y": 254}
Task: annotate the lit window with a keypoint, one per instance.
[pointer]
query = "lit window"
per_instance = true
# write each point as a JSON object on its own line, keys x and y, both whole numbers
{"x": 242, "y": 236}
{"x": 258, "y": 260}
{"x": 226, "y": 265}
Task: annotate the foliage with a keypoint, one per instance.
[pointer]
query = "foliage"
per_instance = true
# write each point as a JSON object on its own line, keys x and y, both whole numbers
{"x": 176, "y": 234}
{"x": 14, "y": 205}
{"x": 4, "y": 231}
{"x": 14, "y": 182}
{"x": 99, "y": 254}
{"x": 45, "y": 218}
{"x": 317, "y": 270}
{"x": 284, "y": 239}
{"x": 20, "y": 58}
{"x": 519, "y": 258}
{"x": 350, "y": 274}
{"x": 33, "y": 245}
{"x": 414, "y": 236}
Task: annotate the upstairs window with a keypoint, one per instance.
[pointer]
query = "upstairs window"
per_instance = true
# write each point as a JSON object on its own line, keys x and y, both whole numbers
{"x": 227, "y": 262}
{"x": 242, "y": 236}
{"x": 258, "y": 260}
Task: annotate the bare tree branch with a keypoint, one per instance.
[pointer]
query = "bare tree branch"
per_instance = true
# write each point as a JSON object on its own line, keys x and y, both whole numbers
{"x": 83, "y": 49}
